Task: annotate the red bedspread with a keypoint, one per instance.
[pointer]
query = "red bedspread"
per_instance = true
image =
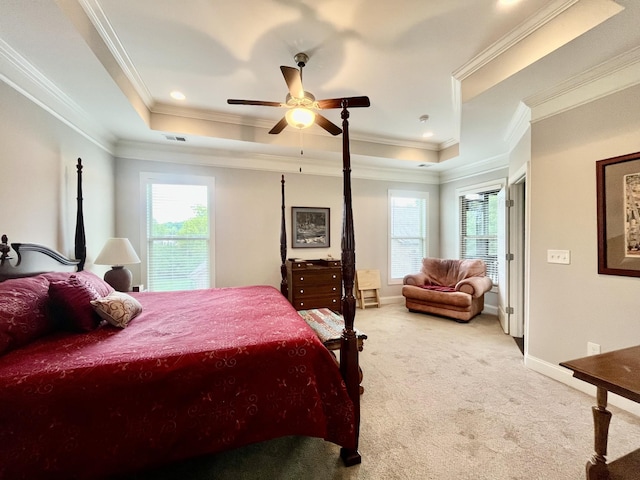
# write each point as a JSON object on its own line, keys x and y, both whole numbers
{"x": 197, "y": 372}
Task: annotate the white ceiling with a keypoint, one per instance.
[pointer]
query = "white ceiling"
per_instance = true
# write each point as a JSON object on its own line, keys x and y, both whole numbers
{"x": 107, "y": 67}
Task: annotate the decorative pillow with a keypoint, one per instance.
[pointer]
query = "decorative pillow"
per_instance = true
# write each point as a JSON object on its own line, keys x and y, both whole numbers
{"x": 23, "y": 311}
{"x": 70, "y": 303}
{"x": 118, "y": 308}
{"x": 102, "y": 287}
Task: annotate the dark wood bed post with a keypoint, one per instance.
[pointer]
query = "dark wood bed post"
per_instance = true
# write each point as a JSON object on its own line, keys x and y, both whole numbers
{"x": 349, "y": 342}
{"x": 80, "y": 240}
{"x": 284, "y": 285}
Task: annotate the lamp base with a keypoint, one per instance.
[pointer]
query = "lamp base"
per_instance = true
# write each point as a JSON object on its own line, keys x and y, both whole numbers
{"x": 119, "y": 278}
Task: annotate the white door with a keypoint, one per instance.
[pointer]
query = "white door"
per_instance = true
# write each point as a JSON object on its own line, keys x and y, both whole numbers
{"x": 517, "y": 265}
{"x": 503, "y": 263}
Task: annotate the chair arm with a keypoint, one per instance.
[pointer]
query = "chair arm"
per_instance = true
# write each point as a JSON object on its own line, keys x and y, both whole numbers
{"x": 474, "y": 286}
{"x": 417, "y": 279}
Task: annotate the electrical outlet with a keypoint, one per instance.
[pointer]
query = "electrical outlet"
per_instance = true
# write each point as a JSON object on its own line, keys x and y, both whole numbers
{"x": 593, "y": 348}
{"x": 559, "y": 256}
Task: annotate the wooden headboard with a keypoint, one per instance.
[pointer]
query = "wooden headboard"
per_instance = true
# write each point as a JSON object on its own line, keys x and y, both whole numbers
{"x": 31, "y": 259}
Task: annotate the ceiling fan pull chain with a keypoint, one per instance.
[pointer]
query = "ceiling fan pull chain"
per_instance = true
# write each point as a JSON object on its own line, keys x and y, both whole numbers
{"x": 301, "y": 144}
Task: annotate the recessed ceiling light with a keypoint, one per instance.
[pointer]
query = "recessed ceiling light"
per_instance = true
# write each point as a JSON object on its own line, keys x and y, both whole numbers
{"x": 507, "y": 2}
{"x": 176, "y": 95}
{"x": 427, "y": 135}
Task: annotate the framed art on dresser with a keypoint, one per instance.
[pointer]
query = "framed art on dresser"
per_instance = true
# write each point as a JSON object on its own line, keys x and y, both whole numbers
{"x": 310, "y": 227}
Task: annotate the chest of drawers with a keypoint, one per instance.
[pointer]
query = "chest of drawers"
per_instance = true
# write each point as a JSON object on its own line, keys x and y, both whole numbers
{"x": 315, "y": 284}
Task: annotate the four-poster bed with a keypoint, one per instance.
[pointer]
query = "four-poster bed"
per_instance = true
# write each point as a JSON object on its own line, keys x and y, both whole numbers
{"x": 213, "y": 370}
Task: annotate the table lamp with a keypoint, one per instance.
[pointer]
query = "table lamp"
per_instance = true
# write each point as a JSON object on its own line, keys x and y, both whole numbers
{"x": 118, "y": 252}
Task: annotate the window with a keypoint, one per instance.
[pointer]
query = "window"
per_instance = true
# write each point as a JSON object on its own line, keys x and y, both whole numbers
{"x": 178, "y": 232}
{"x": 407, "y": 232}
{"x": 479, "y": 228}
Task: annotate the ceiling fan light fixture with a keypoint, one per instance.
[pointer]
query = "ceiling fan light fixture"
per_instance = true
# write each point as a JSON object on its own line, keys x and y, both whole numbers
{"x": 300, "y": 117}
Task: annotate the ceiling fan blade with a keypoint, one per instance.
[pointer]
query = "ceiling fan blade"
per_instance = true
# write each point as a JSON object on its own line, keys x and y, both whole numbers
{"x": 351, "y": 102}
{"x": 232, "y": 101}
{"x": 278, "y": 127}
{"x": 294, "y": 81}
{"x": 329, "y": 126}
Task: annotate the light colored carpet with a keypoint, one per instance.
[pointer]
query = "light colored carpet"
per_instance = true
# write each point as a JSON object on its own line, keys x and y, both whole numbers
{"x": 443, "y": 400}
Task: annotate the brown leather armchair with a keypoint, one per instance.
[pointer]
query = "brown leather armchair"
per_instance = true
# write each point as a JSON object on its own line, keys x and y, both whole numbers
{"x": 451, "y": 288}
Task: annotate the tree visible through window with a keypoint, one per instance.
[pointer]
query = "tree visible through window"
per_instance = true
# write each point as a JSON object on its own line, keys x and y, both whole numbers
{"x": 178, "y": 237}
{"x": 479, "y": 229}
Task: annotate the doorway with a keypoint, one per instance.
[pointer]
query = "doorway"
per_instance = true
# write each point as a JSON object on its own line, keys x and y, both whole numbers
{"x": 517, "y": 273}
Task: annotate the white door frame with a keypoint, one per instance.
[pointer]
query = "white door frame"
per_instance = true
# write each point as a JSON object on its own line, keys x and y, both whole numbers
{"x": 517, "y": 273}
{"x": 503, "y": 260}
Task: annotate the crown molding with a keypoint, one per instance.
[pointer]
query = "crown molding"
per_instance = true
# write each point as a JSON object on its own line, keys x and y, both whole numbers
{"x": 99, "y": 20}
{"x": 522, "y": 31}
{"x": 550, "y": 29}
{"x": 487, "y": 165}
{"x": 326, "y": 166}
{"x": 244, "y": 121}
{"x": 609, "y": 77}
{"x": 518, "y": 125}
{"x": 17, "y": 72}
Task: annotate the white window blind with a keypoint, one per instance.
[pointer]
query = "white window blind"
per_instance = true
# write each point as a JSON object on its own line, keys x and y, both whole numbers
{"x": 407, "y": 233}
{"x": 479, "y": 229}
{"x": 178, "y": 236}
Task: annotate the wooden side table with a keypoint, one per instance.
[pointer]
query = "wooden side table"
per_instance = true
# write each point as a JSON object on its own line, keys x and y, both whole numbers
{"x": 617, "y": 372}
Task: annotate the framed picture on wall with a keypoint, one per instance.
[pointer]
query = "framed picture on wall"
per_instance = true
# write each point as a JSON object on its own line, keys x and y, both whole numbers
{"x": 618, "y": 197}
{"x": 310, "y": 227}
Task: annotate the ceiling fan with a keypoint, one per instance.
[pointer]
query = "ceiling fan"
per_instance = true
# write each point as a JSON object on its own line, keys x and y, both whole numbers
{"x": 301, "y": 104}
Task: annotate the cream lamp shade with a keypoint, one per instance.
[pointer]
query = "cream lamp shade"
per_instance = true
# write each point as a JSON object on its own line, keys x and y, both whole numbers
{"x": 118, "y": 252}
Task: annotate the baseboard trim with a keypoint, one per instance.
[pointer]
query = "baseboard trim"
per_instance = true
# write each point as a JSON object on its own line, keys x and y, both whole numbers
{"x": 394, "y": 299}
{"x": 490, "y": 310}
{"x": 564, "y": 375}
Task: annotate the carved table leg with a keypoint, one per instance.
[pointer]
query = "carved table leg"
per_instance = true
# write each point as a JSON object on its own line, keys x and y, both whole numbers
{"x": 597, "y": 468}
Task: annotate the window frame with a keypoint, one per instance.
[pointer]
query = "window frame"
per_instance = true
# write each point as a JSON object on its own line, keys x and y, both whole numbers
{"x": 147, "y": 178}
{"x": 396, "y": 193}
{"x": 485, "y": 187}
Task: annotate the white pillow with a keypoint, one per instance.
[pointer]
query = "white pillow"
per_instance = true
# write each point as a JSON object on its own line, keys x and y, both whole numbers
{"x": 117, "y": 308}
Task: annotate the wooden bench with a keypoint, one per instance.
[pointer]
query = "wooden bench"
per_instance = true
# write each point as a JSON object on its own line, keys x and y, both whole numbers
{"x": 328, "y": 326}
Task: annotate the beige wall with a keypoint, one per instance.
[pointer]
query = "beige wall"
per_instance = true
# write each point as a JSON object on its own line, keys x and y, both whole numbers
{"x": 570, "y": 305}
{"x": 247, "y": 218}
{"x": 38, "y": 181}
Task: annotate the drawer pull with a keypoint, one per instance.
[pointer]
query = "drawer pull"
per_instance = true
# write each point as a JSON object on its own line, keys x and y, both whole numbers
{"x": 301, "y": 290}
{"x": 334, "y": 289}
{"x": 334, "y": 275}
{"x": 301, "y": 279}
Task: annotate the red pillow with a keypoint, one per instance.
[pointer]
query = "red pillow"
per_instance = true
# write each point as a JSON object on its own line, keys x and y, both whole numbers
{"x": 71, "y": 303}
{"x": 102, "y": 287}
{"x": 23, "y": 311}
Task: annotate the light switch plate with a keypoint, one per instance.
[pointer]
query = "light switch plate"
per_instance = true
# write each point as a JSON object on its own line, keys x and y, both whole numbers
{"x": 559, "y": 256}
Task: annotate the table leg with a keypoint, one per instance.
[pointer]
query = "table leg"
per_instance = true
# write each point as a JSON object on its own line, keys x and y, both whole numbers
{"x": 597, "y": 468}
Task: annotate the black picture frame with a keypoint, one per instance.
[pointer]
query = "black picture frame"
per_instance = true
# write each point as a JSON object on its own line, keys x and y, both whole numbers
{"x": 618, "y": 209}
{"x": 310, "y": 227}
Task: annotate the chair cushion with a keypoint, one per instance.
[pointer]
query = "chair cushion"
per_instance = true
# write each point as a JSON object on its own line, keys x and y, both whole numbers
{"x": 449, "y": 272}
{"x": 438, "y": 288}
